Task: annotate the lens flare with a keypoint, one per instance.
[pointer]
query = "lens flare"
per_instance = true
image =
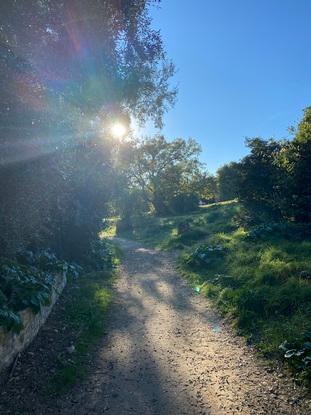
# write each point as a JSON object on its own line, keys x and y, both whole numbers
{"x": 118, "y": 130}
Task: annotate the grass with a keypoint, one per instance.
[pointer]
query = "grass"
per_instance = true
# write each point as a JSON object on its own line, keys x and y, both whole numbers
{"x": 253, "y": 276}
{"x": 161, "y": 232}
{"x": 85, "y": 320}
{"x": 109, "y": 227}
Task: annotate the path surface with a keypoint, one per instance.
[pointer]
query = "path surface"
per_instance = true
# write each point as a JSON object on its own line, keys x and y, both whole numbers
{"x": 168, "y": 353}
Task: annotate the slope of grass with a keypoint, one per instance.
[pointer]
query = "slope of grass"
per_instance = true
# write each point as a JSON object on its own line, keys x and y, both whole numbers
{"x": 261, "y": 280}
{"x": 161, "y": 232}
{"x": 260, "y": 277}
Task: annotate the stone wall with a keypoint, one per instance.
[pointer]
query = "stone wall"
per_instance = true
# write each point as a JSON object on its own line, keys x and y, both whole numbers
{"x": 13, "y": 343}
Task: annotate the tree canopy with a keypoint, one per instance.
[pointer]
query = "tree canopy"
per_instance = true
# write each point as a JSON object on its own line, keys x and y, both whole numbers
{"x": 273, "y": 181}
{"x": 163, "y": 170}
{"x": 67, "y": 71}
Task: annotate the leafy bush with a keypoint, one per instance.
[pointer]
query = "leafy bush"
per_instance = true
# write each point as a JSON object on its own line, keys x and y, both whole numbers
{"x": 28, "y": 283}
{"x": 205, "y": 254}
{"x": 298, "y": 354}
{"x": 46, "y": 260}
{"x": 43, "y": 259}
{"x": 185, "y": 239}
{"x": 21, "y": 287}
{"x": 184, "y": 203}
{"x": 292, "y": 231}
{"x": 100, "y": 256}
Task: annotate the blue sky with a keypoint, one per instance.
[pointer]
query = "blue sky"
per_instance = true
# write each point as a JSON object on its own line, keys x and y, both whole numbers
{"x": 243, "y": 70}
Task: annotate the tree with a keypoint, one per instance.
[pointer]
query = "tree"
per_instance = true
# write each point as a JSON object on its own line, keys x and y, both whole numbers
{"x": 295, "y": 159}
{"x": 259, "y": 184}
{"x": 162, "y": 169}
{"x": 273, "y": 181}
{"x": 67, "y": 69}
{"x": 204, "y": 186}
{"x": 228, "y": 180}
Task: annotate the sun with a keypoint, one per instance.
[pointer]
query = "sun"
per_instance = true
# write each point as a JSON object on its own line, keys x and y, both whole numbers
{"x": 118, "y": 130}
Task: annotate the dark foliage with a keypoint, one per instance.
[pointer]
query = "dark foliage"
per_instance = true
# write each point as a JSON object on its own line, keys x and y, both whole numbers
{"x": 67, "y": 70}
{"x": 259, "y": 188}
{"x": 21, "y": 287}
{"x": 184, "y": 203}
{"x": 273, "y": 182}
{"x": 228, "y": 179}
{"x": 28, "y": 281}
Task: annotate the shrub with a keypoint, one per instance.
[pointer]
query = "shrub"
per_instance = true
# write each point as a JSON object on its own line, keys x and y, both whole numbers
{"x": 28, "y": 283}
{"x": 21, "y": 287}
{"x": 184, "y": 203}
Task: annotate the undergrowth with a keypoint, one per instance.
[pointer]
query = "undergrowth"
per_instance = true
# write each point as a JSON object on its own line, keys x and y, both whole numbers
{"x": 27, "y": 282}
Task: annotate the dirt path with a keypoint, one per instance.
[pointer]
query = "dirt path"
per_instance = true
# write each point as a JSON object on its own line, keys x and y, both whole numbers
{"x": 166, "y": 353}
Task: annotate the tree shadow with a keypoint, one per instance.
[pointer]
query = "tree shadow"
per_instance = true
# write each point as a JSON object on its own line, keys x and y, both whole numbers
{"x": 135, "y": 374}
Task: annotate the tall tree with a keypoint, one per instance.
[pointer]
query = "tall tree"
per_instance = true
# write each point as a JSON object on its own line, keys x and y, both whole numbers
{"x": 67, "y": 69}
{"x": 259, "y": 189}
{"x": 162, "y": 169}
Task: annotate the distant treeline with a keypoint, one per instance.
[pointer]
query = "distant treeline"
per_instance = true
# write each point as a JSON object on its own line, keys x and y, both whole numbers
{"x": 273, "y": 182}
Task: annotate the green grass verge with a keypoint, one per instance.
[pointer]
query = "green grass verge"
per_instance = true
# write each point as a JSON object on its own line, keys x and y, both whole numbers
{"x": 85, "y": 319}
{"x": 257, "y": 279}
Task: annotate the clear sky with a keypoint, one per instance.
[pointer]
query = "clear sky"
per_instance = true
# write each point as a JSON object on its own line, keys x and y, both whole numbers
{"x": 244, "y": 70}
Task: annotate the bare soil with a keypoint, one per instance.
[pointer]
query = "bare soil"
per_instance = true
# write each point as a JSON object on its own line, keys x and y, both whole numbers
{"x": 167, "y": 352}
